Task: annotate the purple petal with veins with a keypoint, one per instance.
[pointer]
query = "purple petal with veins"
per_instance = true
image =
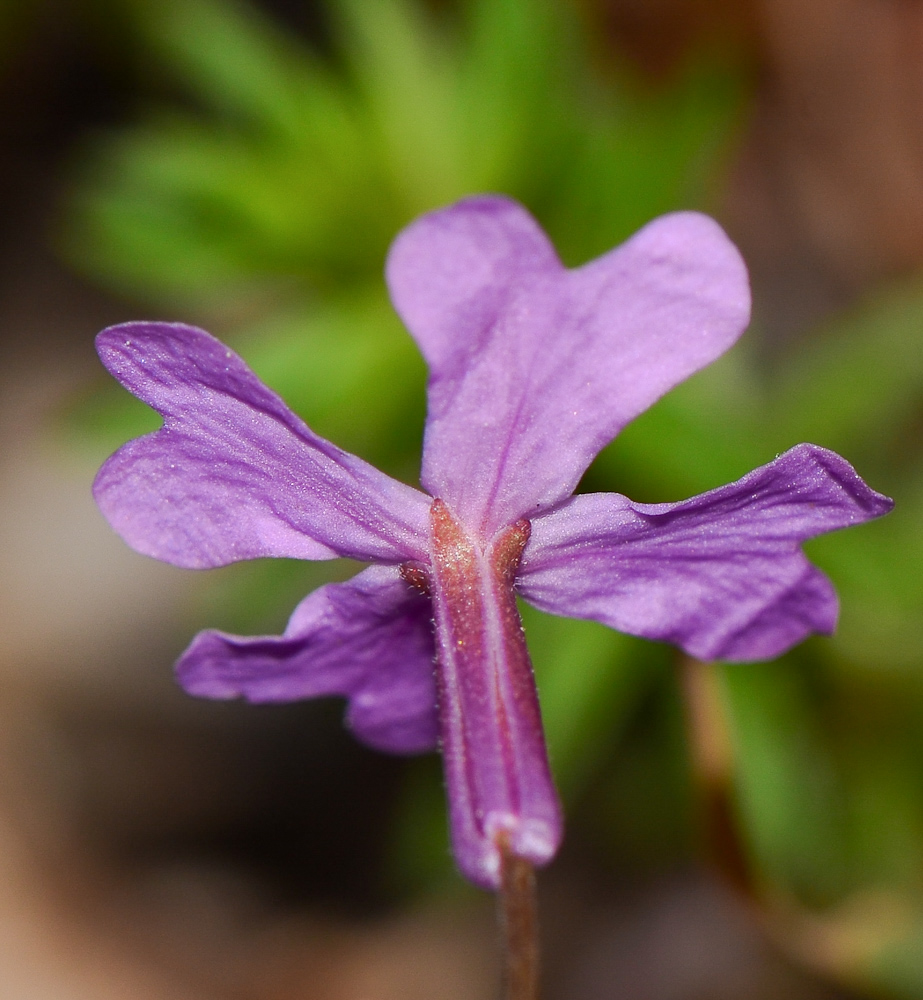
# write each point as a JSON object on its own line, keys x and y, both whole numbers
{"x": 233, "y": 474}
{"x": 721, "y": 575}
{"x": 533, "y": 367}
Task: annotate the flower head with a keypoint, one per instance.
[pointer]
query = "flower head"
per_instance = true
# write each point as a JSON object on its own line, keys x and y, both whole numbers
{"x": 533, "y": 369}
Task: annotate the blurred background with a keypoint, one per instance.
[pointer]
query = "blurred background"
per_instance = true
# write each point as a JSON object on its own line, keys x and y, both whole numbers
{"x": 732, "y": 831}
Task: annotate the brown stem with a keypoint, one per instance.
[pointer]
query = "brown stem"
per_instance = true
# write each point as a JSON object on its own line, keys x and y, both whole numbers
{"x": 519, "y": 925}
{"x": 712, "y": 761}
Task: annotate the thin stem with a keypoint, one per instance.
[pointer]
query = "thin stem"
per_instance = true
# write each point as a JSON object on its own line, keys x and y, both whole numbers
{"x": 712, "y": 760}
{"x": 519, "y": 924}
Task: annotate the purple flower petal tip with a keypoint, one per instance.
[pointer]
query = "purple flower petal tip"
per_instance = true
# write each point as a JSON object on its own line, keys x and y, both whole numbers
{"x": 533, "y": 369}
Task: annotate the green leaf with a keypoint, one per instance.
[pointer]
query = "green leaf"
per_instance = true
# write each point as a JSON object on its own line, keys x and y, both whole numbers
{"x": 239, "y": 64}
{"x": 515, "y": 111}
{"x": 405, "y": 68}
{"x": 791, "y": 794}
{"x": 857, "y": 387}
{"x": 589, "y": 678}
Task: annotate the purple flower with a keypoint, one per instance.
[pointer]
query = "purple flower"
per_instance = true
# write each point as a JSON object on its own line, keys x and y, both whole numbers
{"x": 533, "y": 369}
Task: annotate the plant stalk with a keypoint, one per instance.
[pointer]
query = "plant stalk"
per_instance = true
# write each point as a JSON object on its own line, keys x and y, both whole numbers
{"x": 518, "y": 913}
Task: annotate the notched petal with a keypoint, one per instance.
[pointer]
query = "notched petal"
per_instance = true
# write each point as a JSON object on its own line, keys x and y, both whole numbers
{"x": 234, "y": 474}
{"x": 534, "y": 368}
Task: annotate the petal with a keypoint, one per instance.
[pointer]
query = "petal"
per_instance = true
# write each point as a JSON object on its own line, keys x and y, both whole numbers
{"x": 233, "y": 473}
{"x": 721, "y": 575}
{"x": 369, "y": 639}
{"x": 534, "y": 368}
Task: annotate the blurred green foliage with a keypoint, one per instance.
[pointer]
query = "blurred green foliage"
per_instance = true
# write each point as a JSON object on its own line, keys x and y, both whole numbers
{"x": 258, "y": 194}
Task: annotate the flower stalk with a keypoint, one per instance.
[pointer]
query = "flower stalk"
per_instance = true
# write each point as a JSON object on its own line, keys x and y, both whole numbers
{"x": 518, "y": 913}
{"x": 712, "y": 765}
